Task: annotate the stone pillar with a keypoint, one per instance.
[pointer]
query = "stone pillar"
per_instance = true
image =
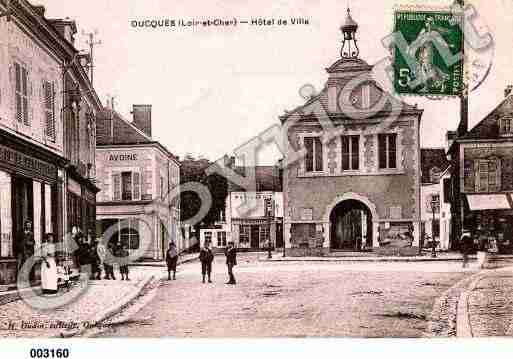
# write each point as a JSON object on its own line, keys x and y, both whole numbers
{"x": 416, "y": 233}
{"x": 375, "y": 234}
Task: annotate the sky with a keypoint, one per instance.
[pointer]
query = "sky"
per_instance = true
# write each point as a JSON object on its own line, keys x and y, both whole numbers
{"x": 213, "y": 89}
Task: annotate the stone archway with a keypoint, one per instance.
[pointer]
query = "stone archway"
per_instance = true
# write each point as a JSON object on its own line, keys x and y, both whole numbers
{"x": 348, "y": 209}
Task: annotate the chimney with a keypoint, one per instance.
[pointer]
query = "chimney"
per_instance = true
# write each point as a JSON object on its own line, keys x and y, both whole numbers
{"x": 142, "y": 118}
{"x": 66, "y": 27}
{"x": 449, "y": 139}
{"x": 508, "y": 90}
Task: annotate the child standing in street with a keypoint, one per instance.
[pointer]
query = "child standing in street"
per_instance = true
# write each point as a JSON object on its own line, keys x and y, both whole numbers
{"x": 206, "y": 258}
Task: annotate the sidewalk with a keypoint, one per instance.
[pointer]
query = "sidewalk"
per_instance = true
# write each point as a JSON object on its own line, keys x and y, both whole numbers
{"x": 100, "y": 300}
{"x": 486, "y": 308}
{"x": 370, "y": 257}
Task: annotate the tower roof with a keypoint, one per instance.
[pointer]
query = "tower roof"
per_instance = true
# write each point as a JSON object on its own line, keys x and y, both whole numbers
{"x": 349, "y": 24}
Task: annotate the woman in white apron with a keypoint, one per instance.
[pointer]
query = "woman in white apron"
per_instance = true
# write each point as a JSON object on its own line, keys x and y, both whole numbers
{"x": 48, "y": 267}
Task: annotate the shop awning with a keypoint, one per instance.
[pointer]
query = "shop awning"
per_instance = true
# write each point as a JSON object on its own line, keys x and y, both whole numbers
{"x": 479, "y": 202}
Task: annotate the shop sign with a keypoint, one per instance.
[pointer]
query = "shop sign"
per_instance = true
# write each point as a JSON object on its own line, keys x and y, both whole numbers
{"x": 27, "y": 164}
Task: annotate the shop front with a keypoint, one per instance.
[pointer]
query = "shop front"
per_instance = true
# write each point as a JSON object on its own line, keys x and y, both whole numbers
{"x": 490, "y": 218}
{"x": 29, "y": 198}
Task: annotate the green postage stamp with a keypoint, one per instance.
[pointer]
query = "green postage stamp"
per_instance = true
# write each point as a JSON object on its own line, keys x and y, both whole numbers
{"x": 428, "y": 53}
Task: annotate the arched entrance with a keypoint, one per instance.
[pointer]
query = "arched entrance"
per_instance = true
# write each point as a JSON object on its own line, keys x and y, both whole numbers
{"x": 350, "y": 226}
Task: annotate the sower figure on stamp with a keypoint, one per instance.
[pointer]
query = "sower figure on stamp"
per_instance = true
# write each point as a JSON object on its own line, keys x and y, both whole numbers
{"x": 231, "y": 261}
{"x": 206, "y": 258}
{"x": 171, "y": 260}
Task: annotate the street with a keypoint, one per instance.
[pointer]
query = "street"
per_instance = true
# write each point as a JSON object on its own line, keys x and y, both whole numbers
{"x": 294, "y": 299}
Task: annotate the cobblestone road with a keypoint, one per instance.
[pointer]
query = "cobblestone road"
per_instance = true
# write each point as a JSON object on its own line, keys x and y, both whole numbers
{"x": 490, "y": 305}
{"x": 295, "y": 300}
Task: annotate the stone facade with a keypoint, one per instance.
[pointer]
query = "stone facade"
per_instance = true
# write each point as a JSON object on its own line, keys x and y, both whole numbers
{"x": 378, "y": 172}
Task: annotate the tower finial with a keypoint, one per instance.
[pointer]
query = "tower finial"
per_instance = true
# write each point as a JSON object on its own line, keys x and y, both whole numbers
{"x": 349, "y": 44}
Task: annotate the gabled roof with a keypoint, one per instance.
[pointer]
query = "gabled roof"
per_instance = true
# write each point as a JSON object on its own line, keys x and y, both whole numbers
{"x": 432, "y": 158}
{"x": 488, "y": 128}
{"x": 112, "y": 128}
{"x": 384, "y": 104}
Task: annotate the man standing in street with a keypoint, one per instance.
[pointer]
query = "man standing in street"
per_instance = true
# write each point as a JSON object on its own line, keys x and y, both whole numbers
{"x": 231, "y": 261}
{"x": 206, "y": 258}
{"x": 466, "y": 244}
{"x": 171, "y": 260}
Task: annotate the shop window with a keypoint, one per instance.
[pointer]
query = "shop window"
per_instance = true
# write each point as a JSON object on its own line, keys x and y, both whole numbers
{"x": 126, "y": 186}
{"x": 22, "y": 93}
{"x": 433, "y": 203}
{"x": 129, "y": 233}
{"x": 221, "y": 239}
{"x": 350, "y": 152}
{"x": 264, "y": 235}
{"x": 488, "y": 177}
{"x": 244, "y": 234}
{"x": 387, "y": 150}
{"x": 313, "y": 160}
{"x": 434, "y": 175}
{"x": 49, "y": 109}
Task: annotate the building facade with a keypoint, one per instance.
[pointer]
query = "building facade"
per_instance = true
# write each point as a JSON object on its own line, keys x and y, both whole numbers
{"x": 482, "y": 181}
{"x": 351, "y": 174}
{"x": 139, "y": 202}
{"x": 435, "y": 200}
{"x": 37, "y": 167}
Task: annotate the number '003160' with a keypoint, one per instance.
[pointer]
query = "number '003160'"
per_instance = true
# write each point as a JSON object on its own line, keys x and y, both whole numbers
{"x": 49, "y": 353}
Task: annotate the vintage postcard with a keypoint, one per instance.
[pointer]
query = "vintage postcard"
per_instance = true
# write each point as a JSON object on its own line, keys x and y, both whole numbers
{"x": 255, "y": 169}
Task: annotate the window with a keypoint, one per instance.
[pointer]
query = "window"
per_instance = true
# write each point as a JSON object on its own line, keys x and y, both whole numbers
{"x": 387, "y": 149}
{"x": 313, "y": 146}
{"x": 126, "y": 186}
{"x": 161, "y": 187}
{"x": 49, "y": 110}
{"x": 350, "y": 152}
{"x": 264, "y": 235}
{"x": 505, "y": 127}
{"x": 244, "y": 234}
{"x": 129, "y": 233}
{"x": 434, "y": 175}
{"x": 22, "y": 98}
{"x": 208, "y": 237}
{"x": 488, "y": 176}
{"x": 221, "y": 239}
{"x": 433, "y": 203}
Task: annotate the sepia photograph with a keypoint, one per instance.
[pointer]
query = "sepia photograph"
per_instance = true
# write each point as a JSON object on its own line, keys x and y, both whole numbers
{"x": 255, "y": 170}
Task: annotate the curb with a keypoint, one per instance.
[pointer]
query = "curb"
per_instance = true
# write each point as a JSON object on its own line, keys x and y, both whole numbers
{"x": 114, "y": 309}
{"x": 364, "y": 259}
{"x": 160, "y": 264}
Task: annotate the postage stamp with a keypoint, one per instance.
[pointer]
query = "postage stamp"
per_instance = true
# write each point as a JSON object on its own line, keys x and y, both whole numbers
{"x": 428, "y": 54}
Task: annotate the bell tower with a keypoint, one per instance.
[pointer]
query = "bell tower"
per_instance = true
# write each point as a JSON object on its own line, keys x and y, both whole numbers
{"x": 349, "y": 43}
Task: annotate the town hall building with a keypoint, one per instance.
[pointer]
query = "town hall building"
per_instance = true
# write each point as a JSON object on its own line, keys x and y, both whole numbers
{"x": 351, "y": 174}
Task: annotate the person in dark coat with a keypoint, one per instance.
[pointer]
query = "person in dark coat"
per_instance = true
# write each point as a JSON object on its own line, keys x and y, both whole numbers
{"x": 206, "y": 258}
{"x": 231, "y": 261}
{"x": 27, "y": 247}
{"x": 171, "y": 260}
{"x": 108, "y": 266}
{"x": 96, "y": 272}
{"x": 122, "y": 254}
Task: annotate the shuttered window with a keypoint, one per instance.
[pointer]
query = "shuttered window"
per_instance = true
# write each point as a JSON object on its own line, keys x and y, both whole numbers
{"x": 116, "y": 184}
{"x": 21, "y": 78}
{"x": 49, "y": 109}
{"x": 350, "y": 152}
{"x": 313, "y": 160}
{"x": 126, "y": 186}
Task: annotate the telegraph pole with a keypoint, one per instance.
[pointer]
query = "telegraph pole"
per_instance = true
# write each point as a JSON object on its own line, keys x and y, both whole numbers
{"x": 92, "y": 43}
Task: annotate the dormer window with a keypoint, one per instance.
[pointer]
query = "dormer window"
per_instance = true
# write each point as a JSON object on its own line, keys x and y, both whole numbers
{"x": 505, "y": 126}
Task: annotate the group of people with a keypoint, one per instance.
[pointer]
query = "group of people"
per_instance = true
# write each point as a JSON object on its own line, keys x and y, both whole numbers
{"x": 91, "y": 253}
{"x": 206, "y": 257}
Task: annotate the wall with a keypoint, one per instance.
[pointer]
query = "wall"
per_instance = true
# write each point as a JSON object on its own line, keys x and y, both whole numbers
{"x": 15, "y": 45}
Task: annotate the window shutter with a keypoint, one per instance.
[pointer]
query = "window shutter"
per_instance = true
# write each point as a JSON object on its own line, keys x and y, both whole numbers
{"x": 18, "y": 90}
{"x": 318, "y": 154}
{"x": 25, "y": 94}
{"x": 136, "y": 183}
{"x": 48, "y": 102}
{"x": 345, "y": 152}
{"x": 116, "y": 186}
{"x": 309, "y": 154}
{"x": 468, "y": 176}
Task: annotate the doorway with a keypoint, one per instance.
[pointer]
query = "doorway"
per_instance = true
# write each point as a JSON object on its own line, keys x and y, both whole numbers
{"x": 351, "y": 226}
{"x": 255, "y": 236}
